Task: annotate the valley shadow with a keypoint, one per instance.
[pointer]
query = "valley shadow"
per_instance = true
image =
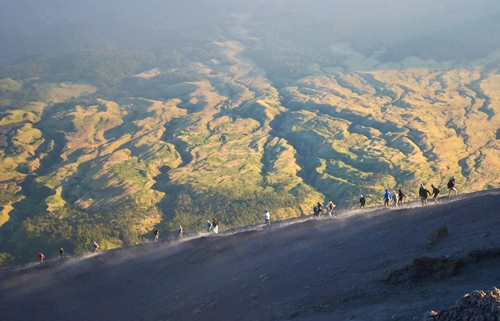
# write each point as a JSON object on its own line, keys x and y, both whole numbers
{"x": 127, "y": 127}
{"x": 31, "y": 205}
{"x": 169, "y": 136}
{"x": 163, "y": 181}
{"x": 5, "y": 130}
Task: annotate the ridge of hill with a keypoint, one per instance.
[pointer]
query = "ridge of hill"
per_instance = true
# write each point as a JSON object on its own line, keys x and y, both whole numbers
{"x": 300, "y": 269}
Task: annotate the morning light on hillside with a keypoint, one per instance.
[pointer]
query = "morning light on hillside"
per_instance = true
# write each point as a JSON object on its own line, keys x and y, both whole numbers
{"x": 121, "y": 117}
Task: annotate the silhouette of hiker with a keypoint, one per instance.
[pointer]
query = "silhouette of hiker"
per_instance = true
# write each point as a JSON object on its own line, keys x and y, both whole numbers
{"x": 402, "y": 196}
{"x": 157, "y": 234}
{"x": 315, "y": 210}
{"x": 362, "y": 201}
{"x": 41, "y": 257}
{"x": 61, "y": 252}
{"x": 95, "y": 246}
{"x": 215, "y": 225}
{"x": 451, "y": 186}
{"x": 423, "y": 193}
{"x": 320, "y": 208}
{"x": 435, "y": 192}
{"x": 179, "y": 231}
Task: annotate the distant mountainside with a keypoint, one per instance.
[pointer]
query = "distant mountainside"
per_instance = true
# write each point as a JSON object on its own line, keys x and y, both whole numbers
{"x": 112, "y": 137}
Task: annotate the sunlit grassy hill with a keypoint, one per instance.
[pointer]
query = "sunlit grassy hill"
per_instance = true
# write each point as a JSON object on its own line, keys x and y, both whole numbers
{"x": 110, "y": 144}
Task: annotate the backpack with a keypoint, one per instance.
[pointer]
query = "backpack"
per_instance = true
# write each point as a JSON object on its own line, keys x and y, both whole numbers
{"x": 155, "y": 232}
{"x": 451, "y": 183}
{"x": 437, "y": 191}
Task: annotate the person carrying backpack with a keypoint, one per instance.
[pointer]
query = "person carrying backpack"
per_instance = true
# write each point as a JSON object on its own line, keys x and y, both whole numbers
{"x": 41, "y": 257}
{"x": 435, "y": 192}
{"x": 387, "y": 197}
{"x": 451, "y": 186}
{"x": 320, "y": 208}
{"x": 315, "y": 210}
{"x": 423, "y": 193}
{"x": 179, "y": 231}
{"x": 362, "y": 201}
{"x": 208, "y": 225}
{"x": 331, "y": 207}
{"x": 61, "y": 252}
{"x": 215, "y": 224}
{"x": 402, "y": 196}
{"x": 95, "y": 246}
{"x": 157, "y": 234}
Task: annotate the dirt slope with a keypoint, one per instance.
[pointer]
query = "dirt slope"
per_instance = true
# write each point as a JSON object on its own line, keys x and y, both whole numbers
{"x": 305, "y": 269}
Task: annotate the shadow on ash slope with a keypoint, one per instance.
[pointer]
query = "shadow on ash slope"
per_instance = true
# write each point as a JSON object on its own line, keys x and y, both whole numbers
{"x": 376, "y": 264}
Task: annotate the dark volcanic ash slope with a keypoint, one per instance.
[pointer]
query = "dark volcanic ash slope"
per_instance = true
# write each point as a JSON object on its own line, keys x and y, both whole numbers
{"x": 371, "y": 265}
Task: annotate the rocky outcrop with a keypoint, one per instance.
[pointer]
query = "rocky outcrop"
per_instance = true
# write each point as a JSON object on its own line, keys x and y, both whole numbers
{"x": 437, "y": 268}
{"x": 423, "y": 268}
{"x": 475, "y": 306}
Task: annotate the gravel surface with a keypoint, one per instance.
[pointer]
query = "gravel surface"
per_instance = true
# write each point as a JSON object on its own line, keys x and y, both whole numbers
{"x": 375, "y": 264}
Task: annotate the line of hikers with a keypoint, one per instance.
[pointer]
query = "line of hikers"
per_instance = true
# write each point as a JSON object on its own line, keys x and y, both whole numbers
{"x": 41, "y": 256}
{"x": 212, "y": 225}
{"x": 318, "y": 208}
{"x": 397, "y": 199}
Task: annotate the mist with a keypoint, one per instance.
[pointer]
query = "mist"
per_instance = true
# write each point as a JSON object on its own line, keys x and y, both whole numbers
{"x": 442, "y": 30}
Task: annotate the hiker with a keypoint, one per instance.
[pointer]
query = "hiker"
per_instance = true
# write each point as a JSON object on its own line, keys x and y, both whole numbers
{"x": 331, "y": 207}
{"x": 267, "y": 218}
{"x": 423, "y": 193}
{"x": 435, "y": 192}
{"x": 315, "y": 210}
{"x": 320, "y": 208}
{"x": 401, "y": 198}
{"x": 157, "y": 234}
{"x": 395, "y": 199}
{"x": 362, "y": 201}
{"x": 387, "y": 197}
{"x": 61, "y": 252}
{"x": 215, "y": 225}
{"x": 41, "y": 257}
{"x": 451, "y": 186}
{"x": 208, "y": 225}
{"x": 95, "y": 246}
{"x": 179, "y": 231}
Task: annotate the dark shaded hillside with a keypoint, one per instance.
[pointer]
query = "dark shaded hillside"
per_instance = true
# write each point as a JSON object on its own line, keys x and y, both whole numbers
{"x": 333, "y": 269}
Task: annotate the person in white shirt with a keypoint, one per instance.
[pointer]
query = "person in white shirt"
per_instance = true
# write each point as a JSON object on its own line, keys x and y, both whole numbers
{"x": 267, "y": 217}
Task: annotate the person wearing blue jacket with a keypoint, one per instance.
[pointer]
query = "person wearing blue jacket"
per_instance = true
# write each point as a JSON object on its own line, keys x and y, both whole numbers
{"x": 387, "y": 197}
{"x": 208, "y": 225}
